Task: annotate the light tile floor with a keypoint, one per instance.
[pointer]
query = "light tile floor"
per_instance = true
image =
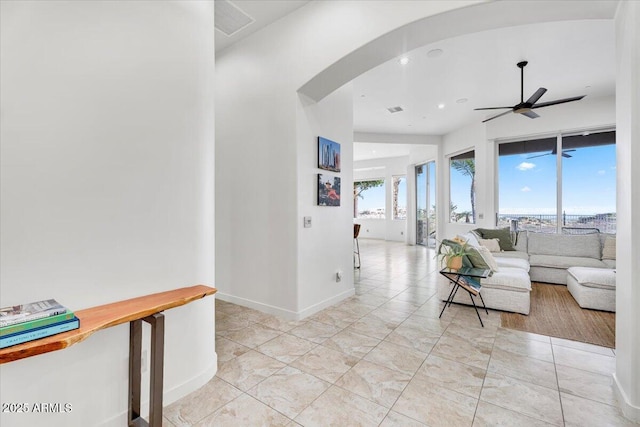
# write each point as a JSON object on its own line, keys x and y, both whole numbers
{"x": 384, "y": 358}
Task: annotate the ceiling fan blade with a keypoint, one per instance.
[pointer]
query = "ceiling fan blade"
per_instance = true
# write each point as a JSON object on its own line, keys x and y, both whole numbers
{"x": 567, "y": 151}
{"x": 568, "y": 156}
{"x": 534, "y": 98}
{"x": 539, "y": 155}
{"x": 559, "y": 101}
{"x": 495, "y": 117}
{"x": 492, "y": 108}
{"x": 530, "y": 114}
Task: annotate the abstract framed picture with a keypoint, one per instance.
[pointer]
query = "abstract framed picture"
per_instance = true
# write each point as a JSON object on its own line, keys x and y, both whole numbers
{"x": 328, "y": 155}
{"x": 328, "y": 190}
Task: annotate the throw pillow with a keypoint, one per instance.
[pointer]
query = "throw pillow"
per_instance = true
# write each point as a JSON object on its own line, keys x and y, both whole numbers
{"x": 476, "y": 258}
{"x": 470, "y": 238}
{"x": 488, "y": 258}
{"x": 502, "y": 234}
{"x": 609, "y": 249}
{"x": 492, "y": 244}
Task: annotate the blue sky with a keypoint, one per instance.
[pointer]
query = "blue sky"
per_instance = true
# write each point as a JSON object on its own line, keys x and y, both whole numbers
{"x": 374, "y": 198}
{"x": 589, "y": 182}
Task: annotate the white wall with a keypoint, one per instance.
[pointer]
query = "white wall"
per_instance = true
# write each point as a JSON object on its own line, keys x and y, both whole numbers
{"x": 326, "y": 247}
{"x": 627, "y": 376}
{"x": 107, "y": 144}
{"x": 258, "y": 152}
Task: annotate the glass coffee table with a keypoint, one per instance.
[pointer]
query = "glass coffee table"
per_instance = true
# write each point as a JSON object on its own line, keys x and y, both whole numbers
{"x": 466, "y": 278}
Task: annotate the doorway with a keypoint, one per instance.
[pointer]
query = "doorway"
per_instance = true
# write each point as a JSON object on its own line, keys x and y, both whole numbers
{"x": 426, "y": 204}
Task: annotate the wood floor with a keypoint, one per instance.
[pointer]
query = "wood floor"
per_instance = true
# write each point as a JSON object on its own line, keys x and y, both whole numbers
{"x": 554, "y": 312}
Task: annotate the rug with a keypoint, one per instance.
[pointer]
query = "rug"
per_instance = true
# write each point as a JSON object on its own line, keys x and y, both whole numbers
{"x": 555, "y": 313}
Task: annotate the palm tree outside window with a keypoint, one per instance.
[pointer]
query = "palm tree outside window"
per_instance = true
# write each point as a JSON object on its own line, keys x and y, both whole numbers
{"x": 462, "y": 173}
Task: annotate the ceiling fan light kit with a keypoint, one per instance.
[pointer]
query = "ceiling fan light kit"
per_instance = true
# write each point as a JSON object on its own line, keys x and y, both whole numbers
{"x": 525, "y": 107}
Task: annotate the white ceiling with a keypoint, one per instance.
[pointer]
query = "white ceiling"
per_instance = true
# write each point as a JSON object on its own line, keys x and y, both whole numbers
{"x": 374, "y": 150}
{"x": 264, "y": 12}
{"x": 569, "y": 58}
{"x": 564, "y": 57}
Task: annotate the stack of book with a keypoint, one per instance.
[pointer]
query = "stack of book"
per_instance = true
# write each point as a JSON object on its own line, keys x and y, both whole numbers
{"x": 28, "y": 322}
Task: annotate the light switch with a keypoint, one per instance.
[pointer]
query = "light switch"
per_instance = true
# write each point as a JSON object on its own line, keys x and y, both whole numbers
{"x": 307, "y": 222}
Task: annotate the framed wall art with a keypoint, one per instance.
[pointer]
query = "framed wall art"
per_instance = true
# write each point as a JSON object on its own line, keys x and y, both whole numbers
{"x": 328, "y": 155}
{"x": 328, "y": 190}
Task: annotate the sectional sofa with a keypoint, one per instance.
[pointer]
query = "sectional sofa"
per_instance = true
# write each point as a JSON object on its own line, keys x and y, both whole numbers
{"x": 539, "y": 257}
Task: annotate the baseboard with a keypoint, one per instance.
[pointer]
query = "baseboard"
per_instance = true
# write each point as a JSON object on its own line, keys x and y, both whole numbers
{"x": 265, "y": 308}
{"x": 281, "y": 312}
{"x": 630, "y": 411}
{"x": 326, "y": 303}
{"x": 169, "y": 396}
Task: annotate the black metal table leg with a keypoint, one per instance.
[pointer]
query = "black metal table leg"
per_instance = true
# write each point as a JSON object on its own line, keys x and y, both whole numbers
{"x": 156, "y": 371}
{"x": 476, "y": 308}
{"x": 483, "y": 304}
{"x": 135, "y": 354}
{"x": 449, "y": 298}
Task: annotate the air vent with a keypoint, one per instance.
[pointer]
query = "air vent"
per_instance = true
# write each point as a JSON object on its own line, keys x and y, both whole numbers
{"x": 395, "y": 109}
{"x": 229, "y": 18}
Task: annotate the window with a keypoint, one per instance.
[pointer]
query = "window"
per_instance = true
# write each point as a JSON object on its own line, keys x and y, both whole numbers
{"x": 527, "y": 171}
{"x": 369, "y": 199}
{"x": 531, "y": 198}
{"x": 399, "y": 197}
{"x": 462, "y": 198}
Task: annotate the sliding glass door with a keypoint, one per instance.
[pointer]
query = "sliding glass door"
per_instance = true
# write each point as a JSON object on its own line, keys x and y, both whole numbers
{"x": 426, "y": 204}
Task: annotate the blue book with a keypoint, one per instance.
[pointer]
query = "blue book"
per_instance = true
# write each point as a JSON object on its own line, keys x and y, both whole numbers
{"x": 44, "y": 331}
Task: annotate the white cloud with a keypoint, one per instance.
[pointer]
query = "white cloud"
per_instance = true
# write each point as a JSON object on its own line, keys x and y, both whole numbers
{"x": 525, "y": 166}
{"x": 601, "y": 172}
{"x": 525, "y": 189}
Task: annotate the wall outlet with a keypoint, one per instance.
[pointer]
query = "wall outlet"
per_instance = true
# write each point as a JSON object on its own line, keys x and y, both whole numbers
{"x": 338, "y": 275}
{"x": 307, "y": 222}
{"x": 480, "y": 216}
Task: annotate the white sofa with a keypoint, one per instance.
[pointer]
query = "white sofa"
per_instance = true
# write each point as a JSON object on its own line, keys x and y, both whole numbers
{"x": 539, "y": 257}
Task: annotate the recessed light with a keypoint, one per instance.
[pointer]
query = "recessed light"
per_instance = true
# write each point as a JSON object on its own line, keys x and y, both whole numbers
{"x": 395, "y": 109}
{"x": 434, "y": 53}
{"x": 441, "y": 106}
{"x": 404, "y": 60}
{"x": 461, "y": 100}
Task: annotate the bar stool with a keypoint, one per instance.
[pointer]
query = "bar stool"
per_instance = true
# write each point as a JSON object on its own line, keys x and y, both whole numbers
{"x": 356, "y": 250}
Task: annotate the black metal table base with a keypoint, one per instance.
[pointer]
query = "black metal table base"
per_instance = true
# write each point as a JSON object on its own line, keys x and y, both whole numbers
{"x": 452, "y": 295}
{"x": 156, "y": 371}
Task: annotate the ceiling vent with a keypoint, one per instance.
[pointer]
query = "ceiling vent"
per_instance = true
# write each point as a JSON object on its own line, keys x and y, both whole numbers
{"x": 229, "y": 18}
{"x": 395, "y": 109}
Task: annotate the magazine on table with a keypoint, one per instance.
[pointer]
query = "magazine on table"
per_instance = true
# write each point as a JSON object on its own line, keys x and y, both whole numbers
{"x": 471, "y": 284}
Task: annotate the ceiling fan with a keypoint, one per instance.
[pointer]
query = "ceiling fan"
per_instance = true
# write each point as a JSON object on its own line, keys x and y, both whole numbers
{"x": 554, "y": 152}
{"x": 525, "y": 108}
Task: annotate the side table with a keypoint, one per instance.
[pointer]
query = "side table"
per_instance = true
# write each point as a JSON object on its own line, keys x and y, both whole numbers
{"x": 468, "y": 279}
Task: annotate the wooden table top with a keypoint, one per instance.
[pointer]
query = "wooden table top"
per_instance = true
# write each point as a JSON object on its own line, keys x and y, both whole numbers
{"x": 105, "y": 316}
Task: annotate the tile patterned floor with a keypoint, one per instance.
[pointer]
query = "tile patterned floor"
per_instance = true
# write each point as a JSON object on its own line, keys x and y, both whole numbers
{"x": 384, "y": 358}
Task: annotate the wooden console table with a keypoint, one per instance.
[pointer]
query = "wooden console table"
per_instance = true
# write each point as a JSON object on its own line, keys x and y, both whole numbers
{"x": 147, "y": 308}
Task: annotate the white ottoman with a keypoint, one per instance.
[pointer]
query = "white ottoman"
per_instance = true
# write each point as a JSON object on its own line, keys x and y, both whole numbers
{"x": 593, "y": 288}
